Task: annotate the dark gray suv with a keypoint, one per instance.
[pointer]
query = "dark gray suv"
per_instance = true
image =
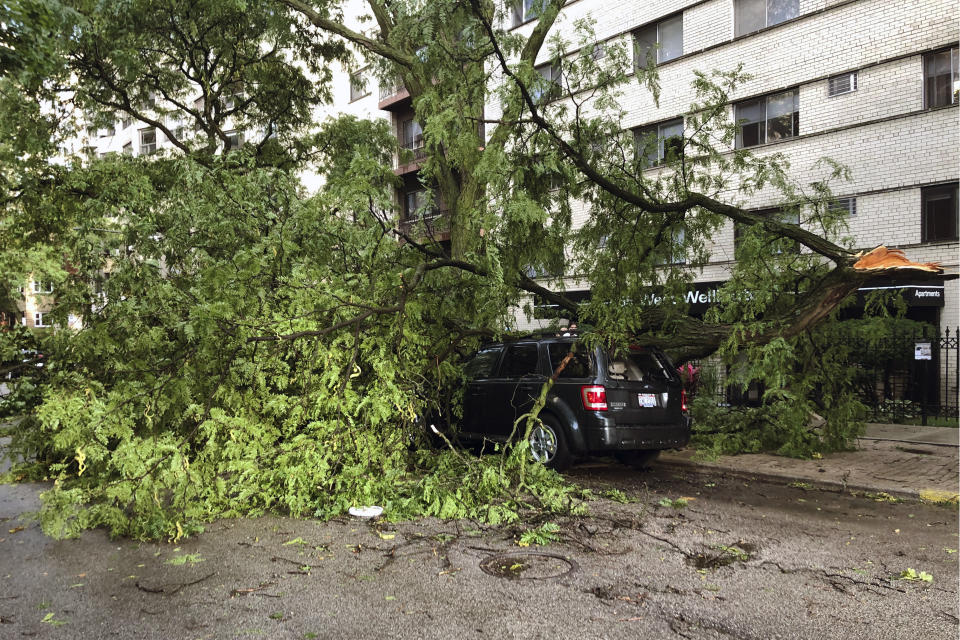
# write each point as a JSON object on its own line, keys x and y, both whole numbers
{"x": 631, "y": 404}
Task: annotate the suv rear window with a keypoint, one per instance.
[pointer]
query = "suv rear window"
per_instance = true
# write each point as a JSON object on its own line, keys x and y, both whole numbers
{"x": 482, "y": 364}
{"x": 580, "y": 366}
{"x": 638, "y": 366}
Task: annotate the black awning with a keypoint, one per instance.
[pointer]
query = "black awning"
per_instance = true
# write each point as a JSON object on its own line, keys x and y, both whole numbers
{"x": 915, "y": 293}
{"x": 701, "y": 295}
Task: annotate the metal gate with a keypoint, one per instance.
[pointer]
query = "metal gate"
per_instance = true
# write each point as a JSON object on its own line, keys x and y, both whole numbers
{"x": 910, "y": 378}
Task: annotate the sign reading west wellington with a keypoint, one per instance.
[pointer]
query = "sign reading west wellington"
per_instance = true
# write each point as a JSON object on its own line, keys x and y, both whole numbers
{"x": 922, "y": 351}
{"x": 702, "y": 295}
{"x": 699, "y": 296}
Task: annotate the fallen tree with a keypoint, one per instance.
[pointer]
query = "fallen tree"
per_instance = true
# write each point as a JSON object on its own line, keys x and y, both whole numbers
{"x": 248, "y": 345}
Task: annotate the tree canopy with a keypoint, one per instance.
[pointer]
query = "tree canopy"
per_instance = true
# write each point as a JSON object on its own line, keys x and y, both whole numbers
{"x": 249, "y": 344}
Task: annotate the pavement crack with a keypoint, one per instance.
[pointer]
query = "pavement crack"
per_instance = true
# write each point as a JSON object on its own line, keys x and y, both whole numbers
{"x": 251, "y": 590}
{"x": 834, "y": 578}
{"x": 164, "y": 589}
{"x": 686, "y": 554}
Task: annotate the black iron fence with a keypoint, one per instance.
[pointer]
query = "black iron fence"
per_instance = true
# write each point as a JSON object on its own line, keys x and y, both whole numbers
{"x": 909, "y": 378}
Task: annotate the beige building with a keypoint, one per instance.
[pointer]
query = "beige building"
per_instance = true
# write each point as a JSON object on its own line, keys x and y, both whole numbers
{"x": 872, "y": 84}
{"x": 869, "y": 83}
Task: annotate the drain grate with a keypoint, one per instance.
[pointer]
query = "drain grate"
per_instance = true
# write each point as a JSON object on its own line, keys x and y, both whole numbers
{"x": 529, "y": 565}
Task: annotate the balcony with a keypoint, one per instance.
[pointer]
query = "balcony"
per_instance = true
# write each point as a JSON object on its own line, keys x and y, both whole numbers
{"x": 405, "y": 165}
{"x": 434, "y": 225}
{"x": 393, "y": 96}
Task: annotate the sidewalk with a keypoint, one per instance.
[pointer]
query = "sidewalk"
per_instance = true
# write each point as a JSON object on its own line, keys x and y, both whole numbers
{"x": 901, "y": 460}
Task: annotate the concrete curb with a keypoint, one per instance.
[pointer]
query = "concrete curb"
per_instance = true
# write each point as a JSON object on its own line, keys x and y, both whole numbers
{"x": 825, "y": 485}
{"x": 928, "y": 444}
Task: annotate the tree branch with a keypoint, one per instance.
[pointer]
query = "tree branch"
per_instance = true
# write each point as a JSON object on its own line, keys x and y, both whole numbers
{"x": 815, "y": 243}
{"x": 374, "y": 46}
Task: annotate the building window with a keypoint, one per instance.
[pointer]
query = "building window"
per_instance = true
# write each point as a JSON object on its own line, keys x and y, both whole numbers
{"x": 358, "y": 86}
{"x": 768, "y": 119}
{"x": 234, "y": 140}
{"x": 753, "y": 15}
{"x": 44, "y": 286}
{"x": 40, "y": 319}
{"x": 551, "y": 89}
{"x": 527, "y": 10}
{"x": 232, "y": 96}
{"x": 843, "y": 83}
{"x": 777, "y": 244}
{"x": 148, "y": 141}
{"x": 413, "y": 204}
{"x": 941, "y": 80}
{"x": 107, "y": 131}
{"x": 677, "y": 253}
{"x": 542, "y": 272}
{"x": 663, "y": 39}
{"x": 412, "y": 134}
{"x": 940, "y": 213}
{"x": 126, "y": 122}
{"x": 128, "y": 149}
{"x": 659, "y": 143}
{"x": 845, "y": 206}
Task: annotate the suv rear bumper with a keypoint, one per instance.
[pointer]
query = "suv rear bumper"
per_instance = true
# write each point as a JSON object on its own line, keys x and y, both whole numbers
{"x": 609, "y": 436}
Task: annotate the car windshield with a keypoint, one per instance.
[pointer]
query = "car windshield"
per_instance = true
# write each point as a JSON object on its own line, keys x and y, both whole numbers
{"x": 638, "y": 366}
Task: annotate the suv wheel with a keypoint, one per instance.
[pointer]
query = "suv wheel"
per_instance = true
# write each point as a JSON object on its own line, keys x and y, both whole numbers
{"x": 638, "y": 459}
{"x": 548, "y": 445}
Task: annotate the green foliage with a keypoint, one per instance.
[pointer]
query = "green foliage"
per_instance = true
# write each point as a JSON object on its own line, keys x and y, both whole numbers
{"x": 541, "y": 536}
{"x": 187, "y": 558}
{"x": 51, "y": 620}
{"x": 617, "y": 496}
{"x": 809, "y": 406}
{"x": 733, "y": 552}
{"x": 678, "y": 503}
{"x": 251, "y": 346}
{"x": 211, "y": 383}
{"x": 912, "y": 575}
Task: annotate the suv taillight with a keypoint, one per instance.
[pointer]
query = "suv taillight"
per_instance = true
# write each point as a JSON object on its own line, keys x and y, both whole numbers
{"x": 683, "y": 401}
{"x": 594, "y": 397}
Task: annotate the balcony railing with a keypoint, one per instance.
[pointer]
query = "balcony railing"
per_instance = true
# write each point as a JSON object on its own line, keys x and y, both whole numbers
{"x": 434, "y": 224}
{"x": 419, "y": 154}
{"x": 391, "y": 89}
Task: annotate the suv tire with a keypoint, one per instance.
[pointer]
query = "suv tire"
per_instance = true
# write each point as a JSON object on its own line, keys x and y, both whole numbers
{"x": 638, "y": 459}
{"x": 548, "y": 444}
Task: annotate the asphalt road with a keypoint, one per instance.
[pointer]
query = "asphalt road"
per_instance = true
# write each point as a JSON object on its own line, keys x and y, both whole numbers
{"x": 741, "y": 560}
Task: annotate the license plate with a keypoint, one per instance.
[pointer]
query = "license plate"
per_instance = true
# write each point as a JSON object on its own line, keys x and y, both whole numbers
{"x": 647, "y": 399}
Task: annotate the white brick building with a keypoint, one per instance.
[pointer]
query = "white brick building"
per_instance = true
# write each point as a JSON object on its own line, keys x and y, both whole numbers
{"x": 885, "y": 120}
{"x": 873, "y": 85}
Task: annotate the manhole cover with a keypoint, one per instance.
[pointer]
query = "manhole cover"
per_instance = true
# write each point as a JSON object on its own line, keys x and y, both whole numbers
{"x": 528, "y": 566}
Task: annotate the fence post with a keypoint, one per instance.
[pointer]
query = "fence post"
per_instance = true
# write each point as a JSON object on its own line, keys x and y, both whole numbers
{"x": 944, "y": 399}
{"x": 924, "y": 365}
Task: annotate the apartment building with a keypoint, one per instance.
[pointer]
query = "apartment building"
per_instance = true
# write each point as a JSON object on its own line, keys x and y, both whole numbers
{"x": 871, "y": 84}
{"x": 34, "y": 308}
